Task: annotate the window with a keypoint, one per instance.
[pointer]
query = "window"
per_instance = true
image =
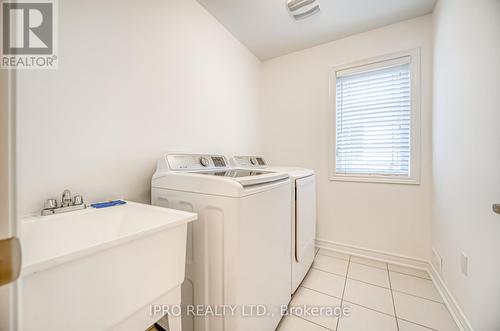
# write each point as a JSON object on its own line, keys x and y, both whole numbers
{"x": 375, "y": 120}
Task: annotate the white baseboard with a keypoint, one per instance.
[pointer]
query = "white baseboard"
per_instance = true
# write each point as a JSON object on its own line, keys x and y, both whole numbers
{"x": 455, "y": 310}
{"x": 373, "y": 254}
{"x": 407, "y": 261}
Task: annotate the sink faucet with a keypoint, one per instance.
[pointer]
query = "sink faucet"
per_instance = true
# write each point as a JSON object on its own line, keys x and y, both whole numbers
{"x": 66, "y": 198}
{"x": 67, "y": 204}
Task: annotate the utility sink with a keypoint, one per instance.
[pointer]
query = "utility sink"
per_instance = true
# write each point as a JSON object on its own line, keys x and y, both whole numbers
{"x": 101, "y": 269}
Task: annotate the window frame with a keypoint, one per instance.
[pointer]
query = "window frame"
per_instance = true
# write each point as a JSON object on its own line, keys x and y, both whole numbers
{"x": 415, "y": 139}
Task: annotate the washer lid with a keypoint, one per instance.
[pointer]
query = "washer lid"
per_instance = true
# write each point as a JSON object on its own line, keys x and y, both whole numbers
{"x": 234, "y": 173}
{"x": 211, "y": 174}
{"x": 246, "y": 177}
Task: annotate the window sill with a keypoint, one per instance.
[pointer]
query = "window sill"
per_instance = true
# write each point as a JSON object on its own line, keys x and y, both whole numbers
{"x": 375, "y": 179}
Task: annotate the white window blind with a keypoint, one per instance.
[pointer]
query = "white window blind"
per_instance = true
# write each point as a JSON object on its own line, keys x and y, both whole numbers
{"x": 373, "y": 120}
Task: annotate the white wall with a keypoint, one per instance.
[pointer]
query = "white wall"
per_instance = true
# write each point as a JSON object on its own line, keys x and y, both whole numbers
{"x": 466, "y": 167}
{"x": 135, "y": 79}
{"x": 387, "y": 217}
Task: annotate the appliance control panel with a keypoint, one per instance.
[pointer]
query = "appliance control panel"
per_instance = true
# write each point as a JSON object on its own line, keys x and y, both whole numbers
{"x": 196, "y": 161}
{"x": 249, "y": 161}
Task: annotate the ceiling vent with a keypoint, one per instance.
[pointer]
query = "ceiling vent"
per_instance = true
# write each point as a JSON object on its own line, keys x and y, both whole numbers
{"x": 301, "y": 9}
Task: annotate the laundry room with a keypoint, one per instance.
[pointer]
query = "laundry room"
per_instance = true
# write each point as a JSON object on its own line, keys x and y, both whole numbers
{"x": 232, "y": 165}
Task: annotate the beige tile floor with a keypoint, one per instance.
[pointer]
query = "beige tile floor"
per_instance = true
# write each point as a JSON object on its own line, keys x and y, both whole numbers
{"x": 380, "y": 297}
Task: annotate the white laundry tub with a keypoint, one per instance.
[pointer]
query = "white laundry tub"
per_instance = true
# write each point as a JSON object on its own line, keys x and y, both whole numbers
{"x": 101, "y": 269}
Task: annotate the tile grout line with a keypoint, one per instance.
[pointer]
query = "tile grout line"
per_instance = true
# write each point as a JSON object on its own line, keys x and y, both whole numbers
{"x": 308, "y": 321}
{"x": 343, "y": 291}
{"x": 424, "y": 326}
{"x": 318, "y": 291}
{"x": 407, "y": 274}
{"x": 345, "y": 300}
{"x": 392, "y": 296}
{"x": 371, "y": 266}
{"x": 331, "y": 273}
{"x": 368, "y": 308}
{"x": 345, "y": 280}
{"x": 368, "y": 283}
{"x": 418, "y": 296}
{"x": 357, "y": 304}
{"x": 380, "y": 268}
{"x": 333, "y": 257}
{"x": 387, "y": 288}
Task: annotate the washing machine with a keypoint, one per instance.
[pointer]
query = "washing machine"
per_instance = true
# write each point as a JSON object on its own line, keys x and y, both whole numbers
{"x": 238, "y": 250}
{"x": 303, "y": 213}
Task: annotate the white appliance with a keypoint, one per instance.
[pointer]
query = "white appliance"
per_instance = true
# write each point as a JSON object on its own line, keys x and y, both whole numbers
{"x": 238, "y": 251}
{"x": 303, "y": 214}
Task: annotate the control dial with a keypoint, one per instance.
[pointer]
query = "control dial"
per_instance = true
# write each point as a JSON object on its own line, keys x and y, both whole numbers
{"x": 204, "y": 161}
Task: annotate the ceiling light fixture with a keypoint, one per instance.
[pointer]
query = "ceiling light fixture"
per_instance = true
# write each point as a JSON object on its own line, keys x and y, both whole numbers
{"x": 300, "y": 9}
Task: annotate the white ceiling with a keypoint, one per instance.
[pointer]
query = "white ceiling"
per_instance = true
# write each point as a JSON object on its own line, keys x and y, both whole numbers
{"x": 267, "y": 29}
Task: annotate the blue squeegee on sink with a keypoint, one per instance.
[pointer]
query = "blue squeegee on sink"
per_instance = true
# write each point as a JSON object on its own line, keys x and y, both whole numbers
{"x": 106, "y": 204}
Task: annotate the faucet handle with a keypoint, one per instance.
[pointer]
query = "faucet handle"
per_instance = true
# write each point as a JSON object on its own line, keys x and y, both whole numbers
{"x": 50, "y": 204}
{"x": 66, "y": 198}
{"x": 77, "y": 200}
